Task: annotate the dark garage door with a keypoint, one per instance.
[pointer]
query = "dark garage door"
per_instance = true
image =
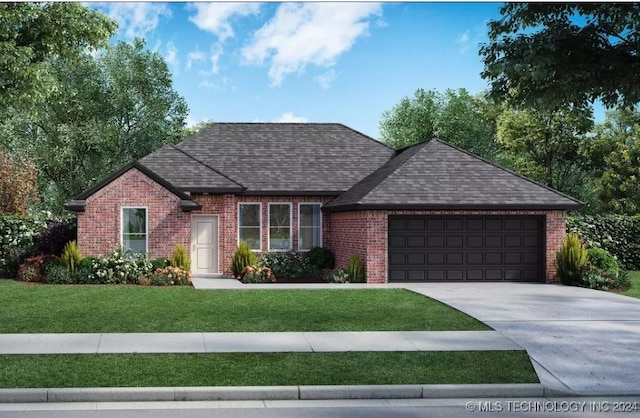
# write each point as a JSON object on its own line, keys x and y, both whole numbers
{"x": 472, "y": 248}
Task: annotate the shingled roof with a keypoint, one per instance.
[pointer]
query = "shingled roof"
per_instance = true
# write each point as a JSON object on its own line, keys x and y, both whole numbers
{"x": 270, "y": 158}
{"x": 436, "y": 175}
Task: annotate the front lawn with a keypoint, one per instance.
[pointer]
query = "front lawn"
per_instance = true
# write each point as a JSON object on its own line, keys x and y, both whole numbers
{"x": 634, "y": 290}
{"x": 366, "y": 368}
{"x": 112, "y": 308}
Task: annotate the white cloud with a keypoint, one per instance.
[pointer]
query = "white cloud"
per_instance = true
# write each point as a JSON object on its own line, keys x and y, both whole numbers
{"x": 308, "y": 33}
{"x": 136, "y": 19}
{"x": 172, "y": 55}
{"x": 464, "y": 40}
{"x": 208, "y": 84}
{"x": 216, "y": 53}
{"x": 326, "y": 79}
{"x": 289, "y": 117}
{"x": 194, "y": 56}
{"x": 215, "y": 17}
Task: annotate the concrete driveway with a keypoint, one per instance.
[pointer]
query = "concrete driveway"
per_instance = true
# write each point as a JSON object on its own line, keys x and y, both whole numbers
{"x": 579, "y": 339}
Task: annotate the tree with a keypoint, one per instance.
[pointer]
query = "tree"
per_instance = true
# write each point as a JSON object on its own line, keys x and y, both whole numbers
{"x": 614, "y": 155}
{"x": 555, "y": 54}
{"x": 33, "y": 33}
{"x": 17, "y": 185}
{"x": 545, "y": 145}
{"x": 455, "y": 116}
{"x": 104, "y": 111}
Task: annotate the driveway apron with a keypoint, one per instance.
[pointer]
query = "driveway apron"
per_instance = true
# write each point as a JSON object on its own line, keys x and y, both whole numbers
{"x": 579, "y": 339}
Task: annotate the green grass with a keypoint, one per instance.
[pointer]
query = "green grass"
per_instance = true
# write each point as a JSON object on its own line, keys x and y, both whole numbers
{"x": 111, "y": 308}
{"x": 634, "y": 290}
{"x": 106, "y": 370}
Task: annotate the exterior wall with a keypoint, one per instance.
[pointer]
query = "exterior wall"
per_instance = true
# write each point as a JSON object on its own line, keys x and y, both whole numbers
{"x": 226, "y": 207}
{"x": 366, "y": 233}
{"x": 99, "y": 225}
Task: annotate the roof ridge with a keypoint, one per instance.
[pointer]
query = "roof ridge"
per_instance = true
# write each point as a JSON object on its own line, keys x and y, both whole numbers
{"x": 366, "y": 136}
{"x": 207, "y": 165}
{"x": 507, "y": 170}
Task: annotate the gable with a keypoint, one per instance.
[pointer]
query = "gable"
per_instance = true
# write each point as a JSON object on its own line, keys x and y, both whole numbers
{"x": 78, "y": 203}
{"x": 436, "y": 175}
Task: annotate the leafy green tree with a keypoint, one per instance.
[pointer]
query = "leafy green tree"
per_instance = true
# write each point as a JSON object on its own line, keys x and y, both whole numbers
{"x": 614, "y": 155}
{"x": 554, "y": 54}
{"x": 33, "y": 33}
{"x": 105, "y": 111}
{"x": 619, "y": 186}
{"x": 453, "y": 116}
{"x": 194, "y": 129}
{"x": 545, "y": 145}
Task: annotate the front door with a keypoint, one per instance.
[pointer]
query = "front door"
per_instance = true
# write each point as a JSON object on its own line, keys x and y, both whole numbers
{"x": 204, "y": 245}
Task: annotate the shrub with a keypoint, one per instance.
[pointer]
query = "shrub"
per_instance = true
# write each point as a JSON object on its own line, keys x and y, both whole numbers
{"x": 288, "y": 265}
{"x": 50, "y": 263}
{"x": 618, "y": 234}
{"x": 84, "y": 273}
{"x": 257, "y": 274}
{"x": 29, "y": 273}
{"x": 338, "y": 276}
{"x": 321, "y": 258}
{"x": 160, "y": 263}
{"x": 17, "y": 240}
{"x": 570, "y": 258}
{"x": 603, "y": 260}
{"x": 242, "y": 258}
{"x": 592, "y": 278}
{"x": 622, "y": 282}
{"x": 169, "y": 276}
{"x": 59, "y": 274}
{"x": 32, "y": 269}
{"x": 180, "y": 258}
{"x": 71, "y": 257}
{"x": 119, "y": 267}
{"x": 355, "y": 269}
{"x": 57, "y": 234}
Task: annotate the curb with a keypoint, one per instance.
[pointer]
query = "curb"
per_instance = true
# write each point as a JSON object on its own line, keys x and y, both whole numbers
{"x": 246, "y": 393}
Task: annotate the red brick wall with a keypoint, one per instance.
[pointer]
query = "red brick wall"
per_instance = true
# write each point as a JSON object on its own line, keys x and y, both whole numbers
{"x": 366, "y": 232}
{"x": 99, "y": 225}
{"x": 226, "y": 207}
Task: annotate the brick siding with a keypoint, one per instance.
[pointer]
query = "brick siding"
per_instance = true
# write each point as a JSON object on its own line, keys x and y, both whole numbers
{"x": 366, "y": 234}
{"x": 99, "y": 225}
{"x": 363, "y": 232}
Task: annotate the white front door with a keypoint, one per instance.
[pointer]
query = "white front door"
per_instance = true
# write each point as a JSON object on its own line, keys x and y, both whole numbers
{"x": 204, "y": 245}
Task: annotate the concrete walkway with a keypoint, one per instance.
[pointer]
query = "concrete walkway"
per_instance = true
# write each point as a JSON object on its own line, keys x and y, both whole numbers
{"x": 254, "y": 342}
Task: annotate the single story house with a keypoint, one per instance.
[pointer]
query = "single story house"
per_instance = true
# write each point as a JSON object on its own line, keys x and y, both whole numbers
{"x": 428, "y": 212}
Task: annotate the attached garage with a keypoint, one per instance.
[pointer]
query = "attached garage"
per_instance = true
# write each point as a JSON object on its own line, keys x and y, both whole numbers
{"x": 466, "y": 248}
{"x": 435, "y": 213}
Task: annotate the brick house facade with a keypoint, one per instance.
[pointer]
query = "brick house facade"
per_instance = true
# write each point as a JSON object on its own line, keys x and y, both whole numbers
{"x": 179, "y": 184}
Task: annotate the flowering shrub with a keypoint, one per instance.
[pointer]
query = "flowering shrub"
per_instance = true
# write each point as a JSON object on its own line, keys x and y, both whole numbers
{"x": 338, "y": 276}
{"x": 256, "y": 274}
{"x": 119, "y": 267}
{"x": 168, "y": 276}
{"x": 31, "y": 270}
{"x": 17, "y": 240}
{"x": 288, "y": 265}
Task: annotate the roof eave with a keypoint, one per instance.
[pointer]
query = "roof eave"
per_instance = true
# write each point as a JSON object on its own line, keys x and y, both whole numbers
{"x": 497, "y": 207}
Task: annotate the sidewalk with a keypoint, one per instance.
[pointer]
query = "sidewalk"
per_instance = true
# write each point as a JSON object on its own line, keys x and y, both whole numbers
{"x": 254, "y": 342}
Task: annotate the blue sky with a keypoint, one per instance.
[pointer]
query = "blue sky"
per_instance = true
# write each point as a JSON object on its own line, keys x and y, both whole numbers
{"x": 315, "y": 62}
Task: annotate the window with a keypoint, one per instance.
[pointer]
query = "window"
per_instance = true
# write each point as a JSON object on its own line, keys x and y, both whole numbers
{"x": 249, "y": 224}
{"x": 280, "y": 226}
{"x": 134, "y": 229}
{"x": 310, "y": 226}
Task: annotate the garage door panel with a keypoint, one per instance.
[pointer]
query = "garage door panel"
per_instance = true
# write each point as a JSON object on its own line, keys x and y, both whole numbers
{"x": 435, "y": 258}
{"x": 416, "y": 224}
{"x": 397, "y": 259}
{"x": 472, "y": 248}
{"x": 455, "y": 241}
{"x": 415, "y": 259}
{"x": 397, "y": 242}
{"x": 416, "y": 241}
